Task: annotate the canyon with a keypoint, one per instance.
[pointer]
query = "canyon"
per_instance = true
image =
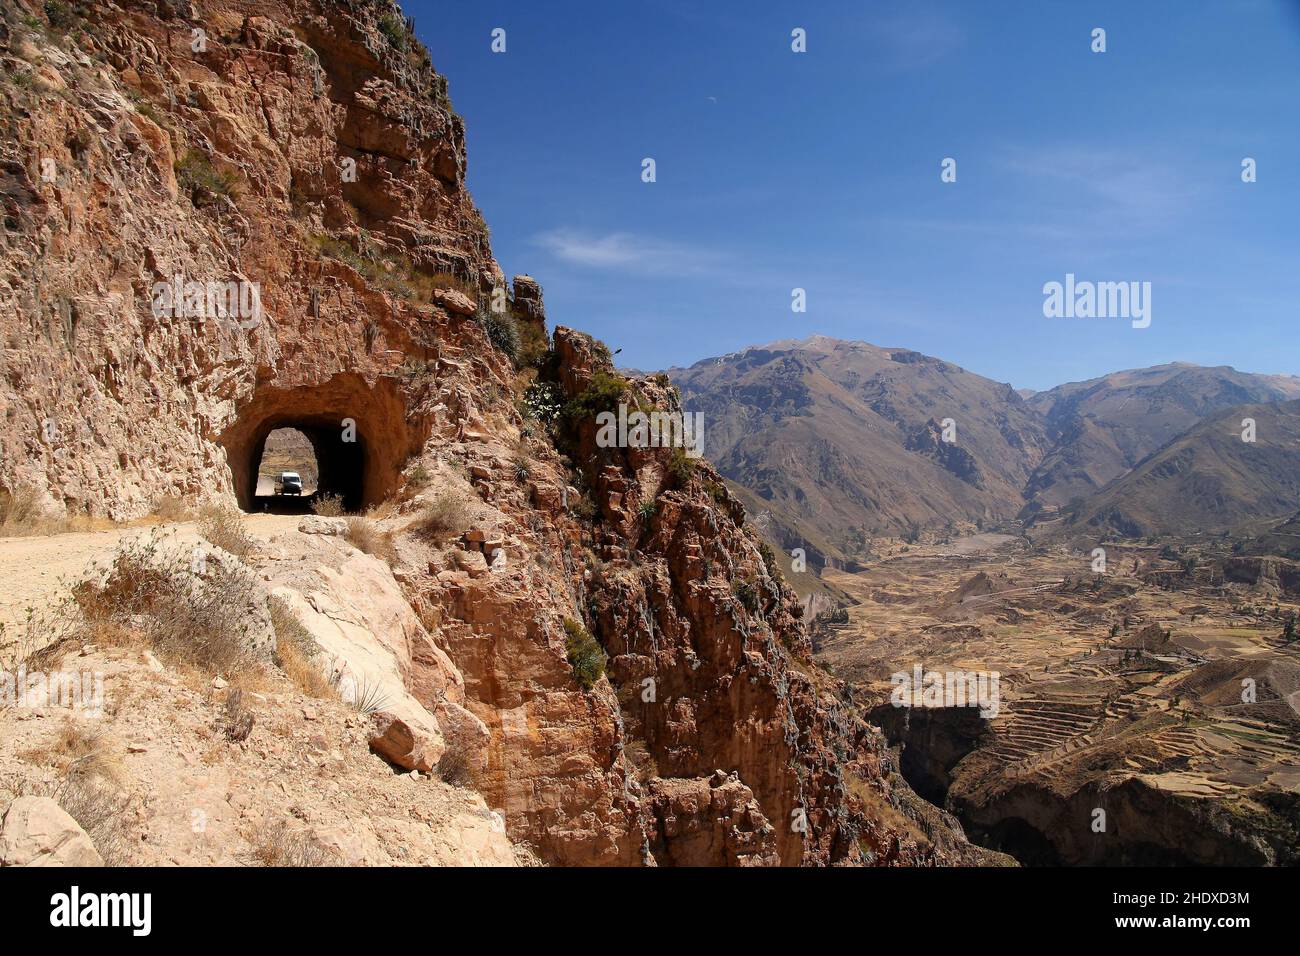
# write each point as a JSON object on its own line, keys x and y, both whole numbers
{"x": 498, "y": 630}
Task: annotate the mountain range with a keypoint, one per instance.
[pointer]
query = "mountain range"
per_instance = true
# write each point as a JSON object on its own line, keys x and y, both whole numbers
{"x": 832, "y": 443}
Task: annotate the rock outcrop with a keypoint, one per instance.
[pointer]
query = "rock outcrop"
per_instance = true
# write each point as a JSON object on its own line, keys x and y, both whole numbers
{"x": 36, "y": 831}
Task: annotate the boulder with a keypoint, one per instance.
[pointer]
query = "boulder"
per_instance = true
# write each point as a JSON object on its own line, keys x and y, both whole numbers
{"x": 454, "y": 301}
{"x": 315, "y": 524}
{"x": 36, "y": 831}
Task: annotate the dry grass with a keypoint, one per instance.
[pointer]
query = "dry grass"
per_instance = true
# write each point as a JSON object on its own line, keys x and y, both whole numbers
{"x": 876, "y": 806}
{"x": 19, "y": 511}
{"x": 365, "y": 535}
{"x": 171, "y": 508}
{"x": 236, "y": 722}
{"x": 21, "y": 516}
{"x": 643, "y": 762}
{"x": 282, "y": 845}
{"x": 296, "y": 652}
{"x": 417, "y": 480}
{"x": 327, "y": 506}
{"x": 385, "y": 509}
{"x": 152, "y": 594}
{"x": 225, "y": 529}
{"x": 105, "y": 813}
{"x": 83, "y": 751}
{"x": 454, "y": 767}
{"x": 91, "y": 790}
{"x": 445, "y": 516}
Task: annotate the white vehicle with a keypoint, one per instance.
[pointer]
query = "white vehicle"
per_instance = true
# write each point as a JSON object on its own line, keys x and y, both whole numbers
{"x": 289, "y": 483}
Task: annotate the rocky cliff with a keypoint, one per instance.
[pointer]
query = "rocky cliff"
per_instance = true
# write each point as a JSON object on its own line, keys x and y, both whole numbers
{"x": 230, "y": 217}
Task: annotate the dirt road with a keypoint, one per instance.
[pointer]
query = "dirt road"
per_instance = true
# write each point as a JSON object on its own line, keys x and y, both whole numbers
{"x": 33, "y": 570}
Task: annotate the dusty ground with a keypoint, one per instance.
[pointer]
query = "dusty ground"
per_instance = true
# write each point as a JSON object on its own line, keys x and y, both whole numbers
{"x": 33, "y": 569}
{"x": 301, "y": 787}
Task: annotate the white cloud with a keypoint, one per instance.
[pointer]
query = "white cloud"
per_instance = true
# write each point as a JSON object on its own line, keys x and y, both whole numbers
{"x": 630, "y": 253}
{"x": 1119, "y": 186}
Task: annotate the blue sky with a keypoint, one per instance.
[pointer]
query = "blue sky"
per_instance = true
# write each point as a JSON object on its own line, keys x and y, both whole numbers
{"x": 820, "y": 170}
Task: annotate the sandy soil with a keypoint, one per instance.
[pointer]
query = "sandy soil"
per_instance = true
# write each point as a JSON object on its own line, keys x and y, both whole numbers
{"x": 33, "y": 570}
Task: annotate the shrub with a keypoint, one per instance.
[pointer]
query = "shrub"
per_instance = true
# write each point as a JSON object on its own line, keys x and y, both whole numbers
{"x": 534, "y": 346}
{"x": 282, "y": 845}
{"x": 366, "y": 536}
{"x": 769, "y": 560}
{"x": 541, "y": 401}
{"x": 225, "y": 529}
{"x": 454, "y": 767}
{"x": 19, "y": 510}
{"x": 171, "y": 508}
{"x": 393, "y": 27}
{"x": 502, "y": 331}
{"x": 82, "y": 750}
{"x": 681, "y": 467}
{"x": 586, "y": 656}
{"x": 585, "y": 508}
{"x": 199, "y": 178}
{"x": 746, "y": 594}
{"x": 602, "y": 394}
{"x": 236, "y": 721}
{"x": 717, "y": 491}
{"x": 60, "y": 15}
{"x": 103, "y": 811}
{"x": 445, "y": 516}
{"x": 327, "y": 505}
{"x": 419, "y": 477}
{"x": 153, "y": 595}
{"x": 647, "y": 510}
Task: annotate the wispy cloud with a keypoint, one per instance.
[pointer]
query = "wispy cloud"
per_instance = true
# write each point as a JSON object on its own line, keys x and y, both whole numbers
{"x": 1117, "y": 185}
{"x": 630, "y": 253}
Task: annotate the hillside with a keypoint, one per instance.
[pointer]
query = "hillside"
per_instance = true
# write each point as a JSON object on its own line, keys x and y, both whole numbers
{"x": 831, "y": 443}
{"x": 1102, "y": 427}
{"x": 1206, "y": 480}
{"x": 843, "y": 441}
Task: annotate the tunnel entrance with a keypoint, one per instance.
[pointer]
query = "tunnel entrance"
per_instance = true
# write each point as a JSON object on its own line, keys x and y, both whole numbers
{"x": 357, "y": 434}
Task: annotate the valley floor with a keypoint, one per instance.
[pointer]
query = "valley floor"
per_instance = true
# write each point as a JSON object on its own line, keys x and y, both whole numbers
{"x": 1166, "y": 697}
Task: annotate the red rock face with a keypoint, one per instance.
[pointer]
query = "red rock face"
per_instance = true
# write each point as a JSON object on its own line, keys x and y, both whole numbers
{"x": 711, "y": 738}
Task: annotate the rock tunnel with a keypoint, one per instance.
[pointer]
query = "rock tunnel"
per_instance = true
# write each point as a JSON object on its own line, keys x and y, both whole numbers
{"x": 359, "y": 434}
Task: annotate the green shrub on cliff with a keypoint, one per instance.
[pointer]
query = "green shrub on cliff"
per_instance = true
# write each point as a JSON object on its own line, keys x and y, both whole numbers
{"x": 502, "y": 332}
{"x": 602, "y": 395}
{"x": 393, "y": 27}
{"x": 197, "y": 177}
{"x": 586, "y": 656}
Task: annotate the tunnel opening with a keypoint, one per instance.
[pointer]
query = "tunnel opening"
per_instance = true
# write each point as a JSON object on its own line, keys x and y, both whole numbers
{"x": 286, "y": 455}
{"x": 332, "y": 464}
{"x": 358, "y": 435}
